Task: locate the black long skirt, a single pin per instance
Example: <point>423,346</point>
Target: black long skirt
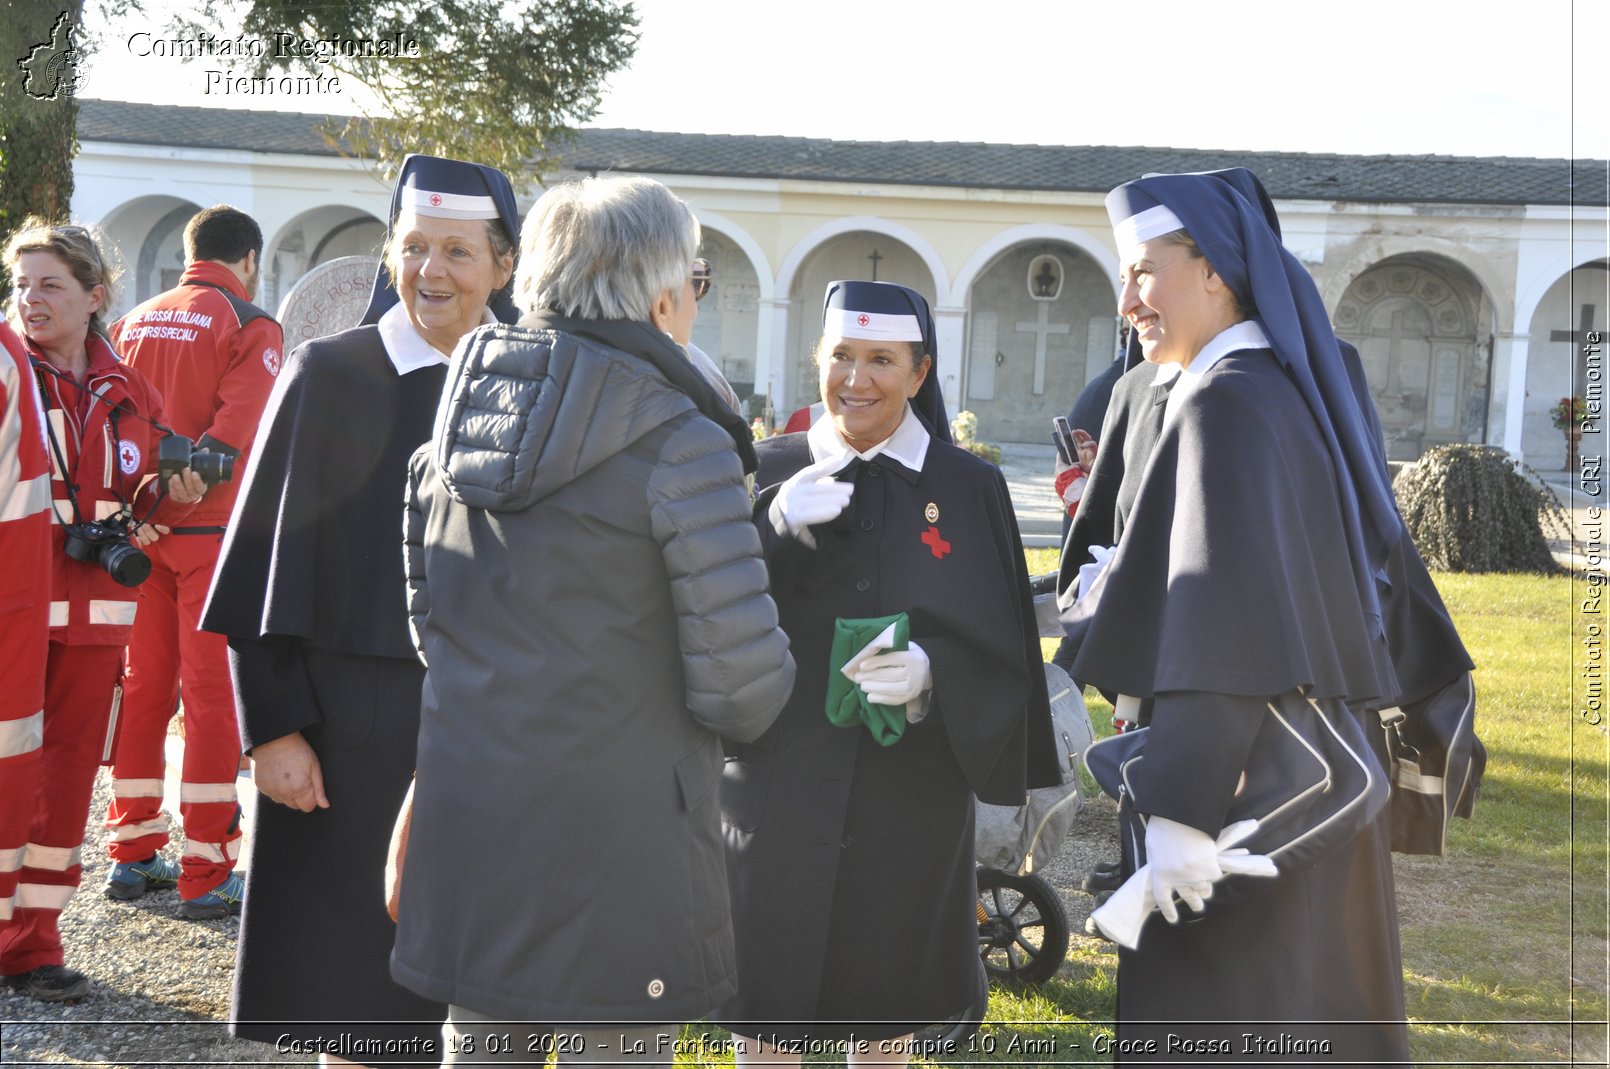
<point>1308,972</point>
<point>313,962</point>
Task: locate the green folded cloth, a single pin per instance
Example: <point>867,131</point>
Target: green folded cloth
<point>847,703</point>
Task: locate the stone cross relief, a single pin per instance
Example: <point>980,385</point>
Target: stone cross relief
<point>1042,328</point>
<point>1578,338</point>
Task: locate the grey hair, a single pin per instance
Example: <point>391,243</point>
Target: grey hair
<point>605,248</point>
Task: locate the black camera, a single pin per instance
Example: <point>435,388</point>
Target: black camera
<point>175,453</point>
<point>106,543</point>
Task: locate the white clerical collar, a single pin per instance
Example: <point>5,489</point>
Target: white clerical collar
<point>1243,335</point>
<point>406,346</point>
<point>908,444</point>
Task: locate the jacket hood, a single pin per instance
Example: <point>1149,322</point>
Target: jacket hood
<point>530,408</point>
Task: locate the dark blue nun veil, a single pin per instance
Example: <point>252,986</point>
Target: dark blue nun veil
<point>1235,236</point>
<point>458,190</point>
<point>1249,186</point>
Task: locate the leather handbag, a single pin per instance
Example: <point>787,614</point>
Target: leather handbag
<point>1312,782</point>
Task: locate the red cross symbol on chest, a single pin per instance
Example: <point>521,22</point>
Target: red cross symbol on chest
<point>934,542</point>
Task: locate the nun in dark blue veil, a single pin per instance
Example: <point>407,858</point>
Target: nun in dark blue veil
<point>1247,569</point>
<point>310,592</point>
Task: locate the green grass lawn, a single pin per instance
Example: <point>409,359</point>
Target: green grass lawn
<point>1504,938</point>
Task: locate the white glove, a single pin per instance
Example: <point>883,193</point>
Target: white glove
<point>1184,862</point>
<point>1123,915</point>
<point>811,495</point>
<point>894,677</point>
<point>1099,556</point>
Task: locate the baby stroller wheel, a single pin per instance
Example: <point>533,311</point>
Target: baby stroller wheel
<point>1022,928</point>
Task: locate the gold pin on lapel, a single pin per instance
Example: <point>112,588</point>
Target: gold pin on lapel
<point>931,513</point>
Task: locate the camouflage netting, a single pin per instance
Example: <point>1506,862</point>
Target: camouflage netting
<point>1469,510</point>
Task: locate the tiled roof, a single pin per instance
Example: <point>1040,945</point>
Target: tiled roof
<point>1287,175</point>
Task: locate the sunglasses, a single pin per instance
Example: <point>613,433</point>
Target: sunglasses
<point>701,278</point>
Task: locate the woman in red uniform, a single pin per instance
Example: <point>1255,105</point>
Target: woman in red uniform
<point>103,425</point>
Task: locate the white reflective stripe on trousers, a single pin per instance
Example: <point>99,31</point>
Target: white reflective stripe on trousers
<point>52,858</point>
<point>203,793</point>
<point>23,735</point>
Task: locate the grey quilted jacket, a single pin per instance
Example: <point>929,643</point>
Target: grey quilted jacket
<point>588,593</point>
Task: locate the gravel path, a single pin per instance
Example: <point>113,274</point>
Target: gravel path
<point>161,984</point>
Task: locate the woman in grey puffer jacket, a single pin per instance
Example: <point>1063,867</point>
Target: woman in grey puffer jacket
<point>588,593</point>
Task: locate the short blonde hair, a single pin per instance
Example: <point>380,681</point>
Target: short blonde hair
<point>605,248</point>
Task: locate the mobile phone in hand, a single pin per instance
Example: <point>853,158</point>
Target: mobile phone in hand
<point>1062,438</point>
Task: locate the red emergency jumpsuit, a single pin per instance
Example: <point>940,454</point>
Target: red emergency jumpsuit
<point>213,356</point>
<point>109,451</point>
<point>24,610</point>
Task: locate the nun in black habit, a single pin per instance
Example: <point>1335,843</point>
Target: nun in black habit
<point>851,856</point>
<point>1246,569</point>
<point>310,592</point>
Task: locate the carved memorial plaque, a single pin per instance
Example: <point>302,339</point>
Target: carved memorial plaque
<point>328,299</point>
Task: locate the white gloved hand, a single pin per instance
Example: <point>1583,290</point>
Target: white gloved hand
<point>811,495</point>
<point>894,677</point>
<point>1099,556</point>
<point>1124,914</point>
<point>1184,862</point>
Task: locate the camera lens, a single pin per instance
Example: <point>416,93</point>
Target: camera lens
<point>214,468</point>
<point>125,563</point>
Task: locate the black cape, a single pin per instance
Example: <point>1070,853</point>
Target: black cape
<point>851,864</point>
<point>320,510</point>
<point>309,589</point>
<point>1251,549</point>
<point>1422,642</point>
<point>1127,435</point>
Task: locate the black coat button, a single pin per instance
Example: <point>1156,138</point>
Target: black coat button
<point>867,525</point>
<point>863,585</point>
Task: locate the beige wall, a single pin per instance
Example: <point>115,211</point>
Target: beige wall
<point>778,242</point>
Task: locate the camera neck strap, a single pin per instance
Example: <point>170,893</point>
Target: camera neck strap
<point>65,473</point>
<point>62,469</point>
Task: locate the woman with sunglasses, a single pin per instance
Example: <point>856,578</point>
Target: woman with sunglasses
<point>702,278</point>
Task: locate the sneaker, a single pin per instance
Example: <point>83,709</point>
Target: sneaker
<point>221,901</point>
<point>129,880</point>
<point>51,983</point>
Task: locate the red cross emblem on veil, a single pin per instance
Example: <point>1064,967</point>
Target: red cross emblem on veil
<point>436,200</point>
<point>863,319</point>
<point>934,542</point>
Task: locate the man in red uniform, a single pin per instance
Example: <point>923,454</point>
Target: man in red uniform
<point>24,607</point>
<point>214,356</point>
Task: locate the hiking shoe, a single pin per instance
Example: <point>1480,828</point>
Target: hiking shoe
<point>1104,879</point>
<point>129,880</point>
<point>221,901</point>
<point>51,983</point>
